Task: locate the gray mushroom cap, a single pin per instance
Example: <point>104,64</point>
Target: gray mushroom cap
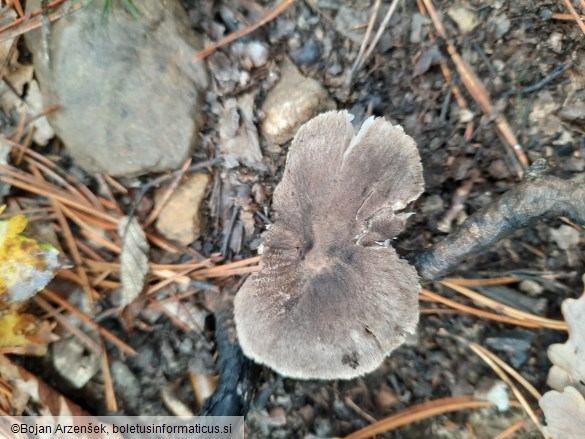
<point>329,301</point>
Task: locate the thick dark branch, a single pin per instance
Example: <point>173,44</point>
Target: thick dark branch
<point>537,197</point>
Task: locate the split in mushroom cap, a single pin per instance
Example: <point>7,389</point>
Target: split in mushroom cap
<point>328,301</point>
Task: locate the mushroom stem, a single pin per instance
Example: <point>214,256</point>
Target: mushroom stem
<point>537,197</point>
<point>235,385</point>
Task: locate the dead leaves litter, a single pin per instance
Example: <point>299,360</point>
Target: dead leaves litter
<point>26,267</point>
<point>133,259</point>
<point>564,407</point>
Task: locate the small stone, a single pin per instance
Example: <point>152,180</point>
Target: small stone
<point>531,288</point>
<point>307,412</point>
<point>348,22</point>
<point>252,55</point>
<point>499,25</point>
<point>323,427</point>
<point>307,54</point>
<point>555,42</point>
<point>573,109</point>
<point>386,398</point>
<point>341,410</point>
<point>276,417</point>
<point>186,346</point>
<point>126,383</point>
<point>416,27</point>
<point>238,134</point>
<point>545,14</point>
<point>465,18</point>
<point>180,218</point>
<point>495,391</point>
<point>566,237</point>
<point>498,169</point>
<point>292,102</point>
<point>73,362</point>
<point>576,164</point>
<point>433,204</point>
<point>515,346</point>
<point>128,90</point>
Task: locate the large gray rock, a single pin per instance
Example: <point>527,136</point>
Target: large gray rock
<point>128,89</point>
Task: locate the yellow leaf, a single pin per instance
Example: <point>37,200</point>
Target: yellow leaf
<point>23,333</point>
<point>26,266</point>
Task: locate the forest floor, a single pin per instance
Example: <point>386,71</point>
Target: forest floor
<point>530,57</point>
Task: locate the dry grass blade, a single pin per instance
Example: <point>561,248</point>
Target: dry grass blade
<point>455,90</point>
<point>90,233</point>
<point>426,295</point>
<point>226,273</point>
<point>26,26</point>
<point>47,293</point>
<point>33,14</point>
<point>279,9</point>
<point>109,394</point>
<point>380,31</point>
<point>80,191</point>
<point>65,199</point>
<point>358,60</point>
<point>419,412</point>
<point>71,243</point>
<point>175,277</point>
<point>167,195</point>
<point>172,317</point>
<point>115,266</point>
<point>565,17</point>
<point>115,184</point>
<point>513,373</point>
<point>82,336</point>
<point>230,266</point>
<point>483,282</point>
<point>74,251</point>
<point>575,15</point>
<point>558,325</point>
<point>479,92</point>
<point>510,430</point>
<point>480,351</point>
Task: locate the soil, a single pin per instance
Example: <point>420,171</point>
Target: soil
<point>515,45</point>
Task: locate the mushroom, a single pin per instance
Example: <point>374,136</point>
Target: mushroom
<point>332,299</point>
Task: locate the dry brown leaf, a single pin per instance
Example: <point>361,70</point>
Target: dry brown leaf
<point>565,414</point>
<point>24,333</point>
<point>20,83</point>
<point>26,266</point>
<point>133,259</point>
<point>238,133</point>
<point>570,356</point>
<point>27,388</point>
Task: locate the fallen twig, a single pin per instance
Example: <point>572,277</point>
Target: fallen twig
<point>419,412</point>
<point>279,9</point>
<point>576,17</point>
<point>27,26</point>
<point>537,197</point>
